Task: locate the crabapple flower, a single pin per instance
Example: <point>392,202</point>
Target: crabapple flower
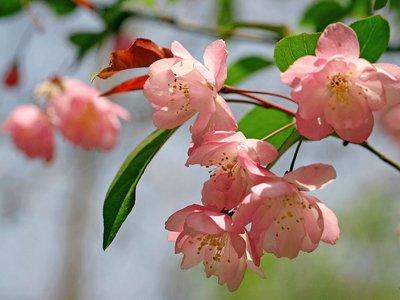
<point>336,90</point>
<point>239,164</point>
<point>31,132</point>
<point>206,235</point>
<point>82,116</point>
<point>285,220</point>
<point>180,87</point>
<point>390,114</point>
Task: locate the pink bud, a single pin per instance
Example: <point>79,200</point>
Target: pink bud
<point>11,76</point>
<point>31,132</point>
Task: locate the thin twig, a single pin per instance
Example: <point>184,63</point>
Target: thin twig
<point>230,89</point>
<point>245,102</point>
<point>279,130</point>
<point>295,155</point>
<point>380,155</point>
<point>279,30</point>
<point>268,103</point>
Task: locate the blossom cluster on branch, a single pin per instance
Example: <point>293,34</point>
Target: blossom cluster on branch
<point>73,108</point>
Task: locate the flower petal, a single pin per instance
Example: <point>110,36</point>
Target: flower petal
<point>215,57</point>
<point>338,39</point>
<point>331,231</point>
<point>314,128</point>
<point>311,177</point>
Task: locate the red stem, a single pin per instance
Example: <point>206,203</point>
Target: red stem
<point>230,89</point>
<point>267,103</point>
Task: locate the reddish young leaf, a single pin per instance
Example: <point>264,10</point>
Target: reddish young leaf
<point>123,41</point>
<point>133,84</point>
<point>142,53</point>
<point>85,3</point>
<point>11,76</point>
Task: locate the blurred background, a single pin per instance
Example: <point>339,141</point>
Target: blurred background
<point>51,216</point>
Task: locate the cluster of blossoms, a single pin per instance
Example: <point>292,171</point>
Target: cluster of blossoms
<point>77,110</point>
<point>246,209</point>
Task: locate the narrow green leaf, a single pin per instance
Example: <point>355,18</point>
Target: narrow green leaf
<point>121,194</point>
<point>378,4</point>
<point>246,67</point>
<point>260,122</point>
<point>85,41</point>
<point>320,14</point>
<point>289,49</point>
<point>373,34</point>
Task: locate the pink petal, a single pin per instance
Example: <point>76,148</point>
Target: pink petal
<point>264,152</point>
<point>314,128</point>
<point>201,222</point>
<point>331,231</point>
<point>215,57</point>
<point>299,70</point>
<point>338,39</point>
<point>311,177</point>
<point>352,120</point>
<point>311,95</point>
<point>179,51</point>
<point>175,221</point>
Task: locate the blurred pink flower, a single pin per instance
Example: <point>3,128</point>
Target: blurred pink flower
<point>284,219</point>
<point>83,117</point>
<point>204,234</point>
<point>181,86</point>
<point>239,165</point>
<point>390,114</point>
<point>31,131</point>
<point>336,90</point>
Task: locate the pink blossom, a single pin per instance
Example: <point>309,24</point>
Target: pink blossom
<point>239,164</point>
<point>285,220</point>
<point>390,114</point>
<point>180,87</point>
<point>31,132</point>
<point>336,90</point>
<point>204,234</point>
<point>83,117</point>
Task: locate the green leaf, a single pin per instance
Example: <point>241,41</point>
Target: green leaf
<point>85,41</point>
<point>260,122</point>
<point>320,14</point>
<point>378,4</point>
<point>373,34</point>
<point>61,7</point>
<point>290,48</point>
<point>114,16</point>
<point>245,67</point>
<point>121,194</point>
<point>9,7</point>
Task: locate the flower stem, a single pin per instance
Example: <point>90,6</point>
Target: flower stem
<point>230,89</point>
<point>295,155</point>
<point>279,130</point>
<point>268,103</point>
<point>380,155</point>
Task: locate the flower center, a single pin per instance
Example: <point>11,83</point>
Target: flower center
<point>291,212</point>
<point>339,85</point>
<point>215,243</point>
<point>179,89</point>
<point>225,163</point>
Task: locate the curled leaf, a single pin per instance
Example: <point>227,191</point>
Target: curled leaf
<point>142,53</point>
<point>127,86</point>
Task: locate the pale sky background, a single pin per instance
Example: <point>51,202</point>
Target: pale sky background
<point>36,201</point>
